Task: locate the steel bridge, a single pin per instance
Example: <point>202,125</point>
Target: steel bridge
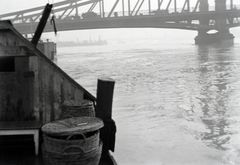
<point>196,15</point>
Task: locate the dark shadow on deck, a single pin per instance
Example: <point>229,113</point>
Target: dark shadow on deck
<point>19,150</point>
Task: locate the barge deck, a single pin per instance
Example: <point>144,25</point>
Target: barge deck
<point>18,154</point>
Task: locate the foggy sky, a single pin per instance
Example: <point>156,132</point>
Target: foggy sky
<point>17,5</point>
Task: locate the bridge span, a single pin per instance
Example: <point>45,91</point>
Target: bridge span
<point>91,14</point>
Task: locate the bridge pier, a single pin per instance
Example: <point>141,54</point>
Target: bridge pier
<point>223,36</point>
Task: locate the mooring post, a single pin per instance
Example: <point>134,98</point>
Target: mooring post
<point>105,90</point>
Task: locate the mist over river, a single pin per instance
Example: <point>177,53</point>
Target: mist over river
<point>175,103</point>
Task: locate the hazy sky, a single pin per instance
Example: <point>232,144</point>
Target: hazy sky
<point>16,5</point>
<point>8,6</point>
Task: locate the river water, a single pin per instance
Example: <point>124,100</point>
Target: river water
<point>175,103</point>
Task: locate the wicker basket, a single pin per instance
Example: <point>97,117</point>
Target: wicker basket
<point>72,125</point>
<point>87,142</point>
<point>72,158</point>
<point>76,108</point>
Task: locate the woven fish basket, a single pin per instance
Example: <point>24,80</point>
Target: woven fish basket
<point>69,157</point>
<point>72,125</point>
<point>87,141</point>
<point>76,108</point>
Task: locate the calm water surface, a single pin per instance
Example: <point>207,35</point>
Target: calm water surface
<point>174,103</point>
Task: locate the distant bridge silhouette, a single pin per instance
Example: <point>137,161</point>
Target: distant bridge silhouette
<point>91,14</point>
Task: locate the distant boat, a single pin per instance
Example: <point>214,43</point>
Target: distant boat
<point>82,43</point>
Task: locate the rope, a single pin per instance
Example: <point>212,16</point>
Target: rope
<point>52,21</point>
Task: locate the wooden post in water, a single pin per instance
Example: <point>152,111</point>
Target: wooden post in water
<point>105,90</point>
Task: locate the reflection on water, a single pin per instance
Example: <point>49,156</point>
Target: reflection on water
<point>214,95</point>
<point>173,103</point>
<point>214,72</point>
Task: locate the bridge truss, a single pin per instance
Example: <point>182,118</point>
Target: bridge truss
<point>93,14</point>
